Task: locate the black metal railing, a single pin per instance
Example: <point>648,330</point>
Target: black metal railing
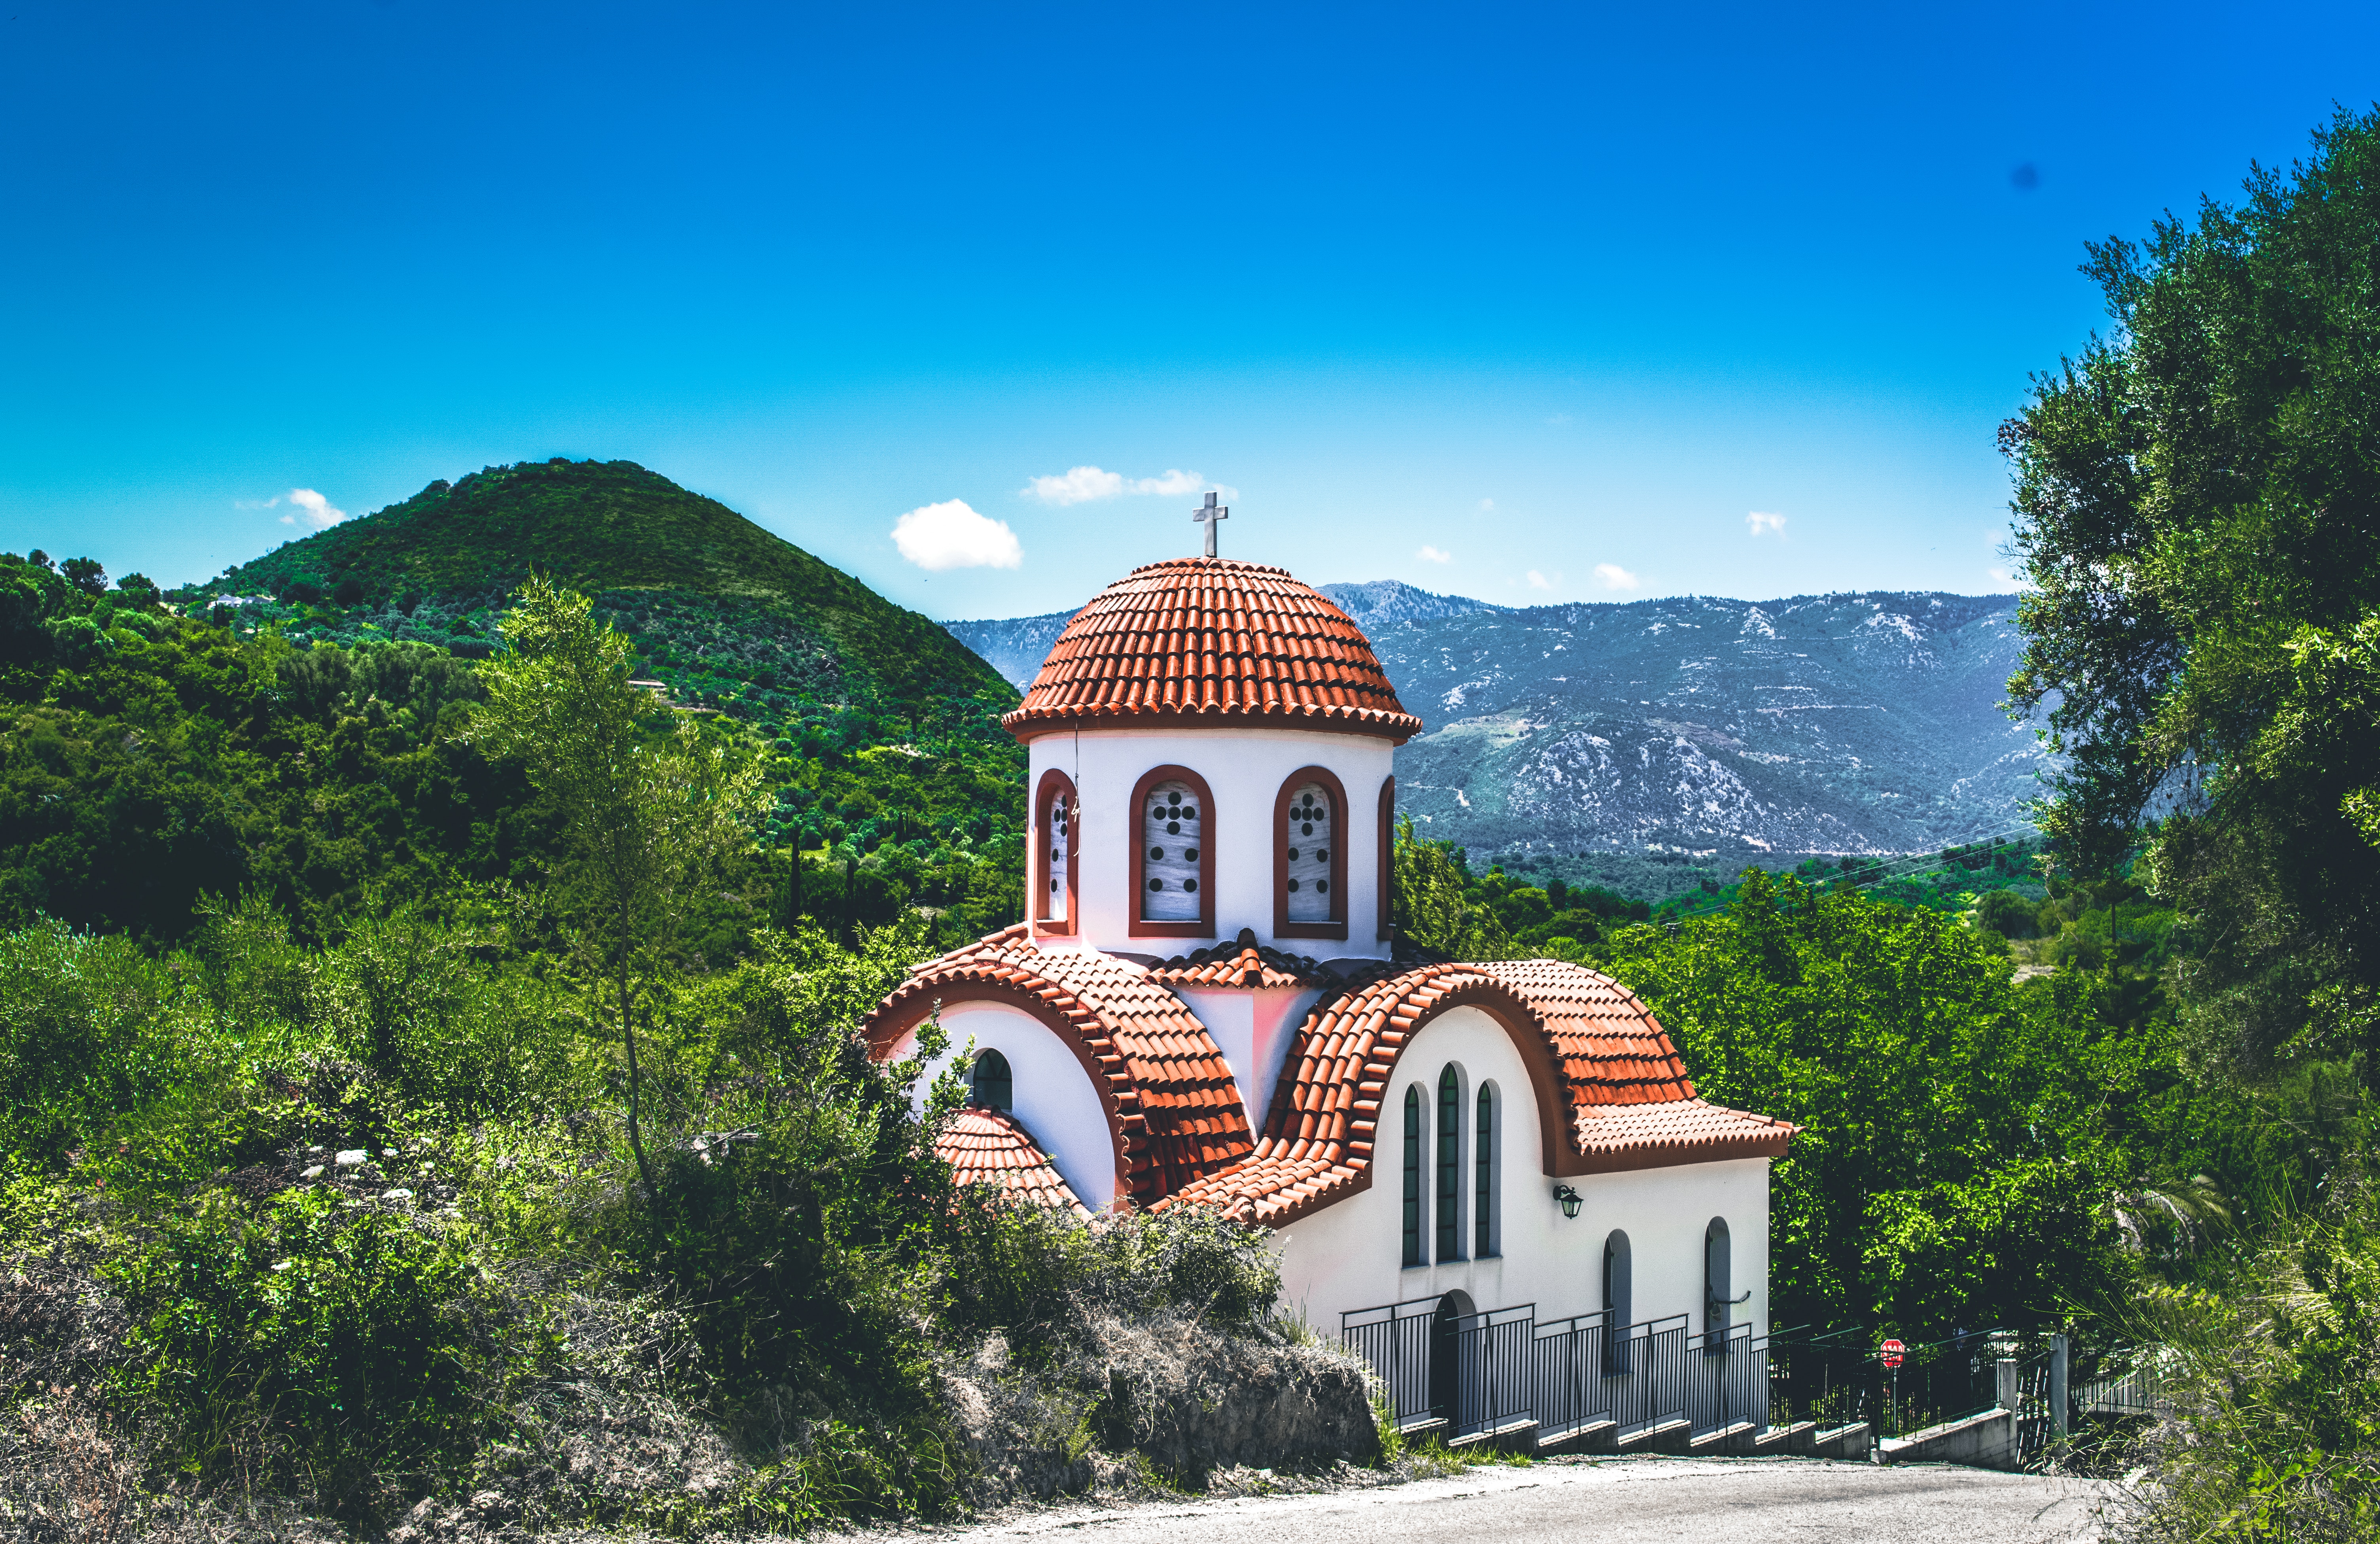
<point>1571,1389</point>
<point>1652,1391</point>
<point>1840,1377</point>
<point>1728,1383</point>
<point>1395,1338</point>
<point>1493,1386</point>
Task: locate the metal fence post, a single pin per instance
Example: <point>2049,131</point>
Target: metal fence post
<point>2004,1373</point>
<point>2057,1388</point>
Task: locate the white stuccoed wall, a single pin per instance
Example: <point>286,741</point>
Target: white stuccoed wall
<point>1253,1029</point>
<point>1244,770</point>
<point>1054,1098</point>
<point>1348,1256</point>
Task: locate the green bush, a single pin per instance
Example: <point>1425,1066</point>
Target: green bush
<point>303,1347</point>
<point>87,1030</point>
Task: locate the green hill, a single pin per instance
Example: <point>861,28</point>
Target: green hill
<point>612,526</point>
<point>293,726</point>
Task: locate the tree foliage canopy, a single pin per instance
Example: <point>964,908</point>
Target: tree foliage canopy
<point>2198,515</point>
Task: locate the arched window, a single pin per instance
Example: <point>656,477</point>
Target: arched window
<point>1718,1281</point>
<point>1449,1154</point>
<point>1483,1165</point>
<point>1387,871</point>
<point>1173,866</point>
<point>1310,860</point>
<point>1619,1301</point>
<point>1055,868</point>
<point>990,1086</point>
<point>1413,1178</point>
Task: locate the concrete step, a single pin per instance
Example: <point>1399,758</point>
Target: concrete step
<point>1987,1441</point>
<point>1735,1437</point>
<point>1497,1435</point>
<point>1594,1436</point>
<point>1796,1438</point>
<point>1853,1442</point>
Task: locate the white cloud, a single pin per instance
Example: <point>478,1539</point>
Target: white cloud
<point>1432,555</point>
<point>1761,520</point>
<point>950,534</point>
<point>1084,485</point>
<point>1613,577</point>
<point>312,509</point>
<point>1172,483</point>
<point>1558,419</point>
<point>1078,487</point>
<point>1539,582</point>
<point>1487,506</point>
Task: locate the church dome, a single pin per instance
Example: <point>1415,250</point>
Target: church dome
<point>1208,641</point>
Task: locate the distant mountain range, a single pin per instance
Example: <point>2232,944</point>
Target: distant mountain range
<point>1860,723</point>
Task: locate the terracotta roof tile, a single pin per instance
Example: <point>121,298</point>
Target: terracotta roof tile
<point>1209,640</point>
<point>990,1146</point>
<point>1242,962</point>
<point>1631,1102</point>
<point>1170,1095</point>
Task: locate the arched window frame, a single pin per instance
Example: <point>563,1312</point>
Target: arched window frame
<point>1447,1173</point>
<point>1416,1154</point>
<point>1281,927</point>
<point>1387,869</point>
<point>1053,783</point>
<point>985,1060</point>
<point>1204,927</point>
<point>1487,1172</point>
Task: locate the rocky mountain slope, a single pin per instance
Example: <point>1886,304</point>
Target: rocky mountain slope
<point>1842,723</point>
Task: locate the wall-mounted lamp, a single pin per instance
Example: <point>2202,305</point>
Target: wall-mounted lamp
<point>1569,1199</point>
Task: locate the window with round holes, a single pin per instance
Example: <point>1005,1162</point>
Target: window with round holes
<point>1055,909</point>
<point>1307,842</point>
<point>1171,828</point>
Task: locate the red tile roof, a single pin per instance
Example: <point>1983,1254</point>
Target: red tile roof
<point>1173,1109</point>
<point>988,1147</point>
<point>1242,962</point>
<point>1206,640</point>
<point>1596,1056</point>
<point>1596,1052</point>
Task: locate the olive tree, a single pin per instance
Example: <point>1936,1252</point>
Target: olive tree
<point>648,807</point>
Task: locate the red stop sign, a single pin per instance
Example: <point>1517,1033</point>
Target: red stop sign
<point>1893,1351</point>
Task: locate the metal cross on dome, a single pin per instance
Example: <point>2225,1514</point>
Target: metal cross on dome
<point>1211,514</point>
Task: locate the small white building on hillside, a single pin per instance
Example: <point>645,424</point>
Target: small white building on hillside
<point>1461,1160</point>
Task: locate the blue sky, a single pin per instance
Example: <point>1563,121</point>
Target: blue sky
<point>1531,303</point>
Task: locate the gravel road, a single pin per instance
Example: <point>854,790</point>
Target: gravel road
<point>1634,1501</point>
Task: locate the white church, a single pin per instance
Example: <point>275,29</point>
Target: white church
<point>1495,1178</point>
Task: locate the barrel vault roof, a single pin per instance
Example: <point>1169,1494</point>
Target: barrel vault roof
<point>1173,1107</point>
<point>1603,1061</point>
<point>1600,1061</point>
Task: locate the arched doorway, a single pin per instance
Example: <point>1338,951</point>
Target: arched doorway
<point>1446,1355</point>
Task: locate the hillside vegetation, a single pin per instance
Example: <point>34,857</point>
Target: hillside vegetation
<point>432,1133</point>
<point>612,526</point>
<point>891,766</point>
